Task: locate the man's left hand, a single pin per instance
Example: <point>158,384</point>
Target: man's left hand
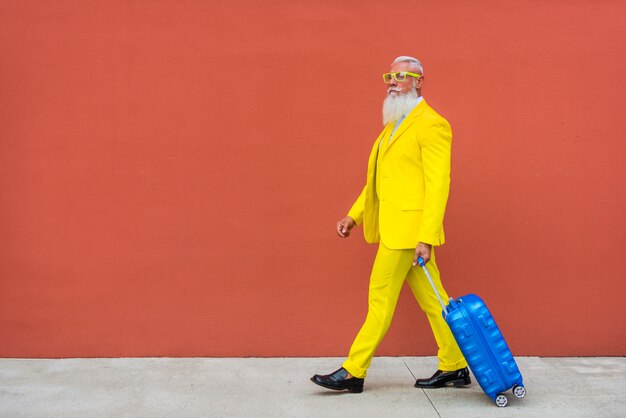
<point>422,250</point>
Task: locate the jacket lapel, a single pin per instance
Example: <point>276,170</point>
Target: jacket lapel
<point>406,123</point>
<point>377,146</point>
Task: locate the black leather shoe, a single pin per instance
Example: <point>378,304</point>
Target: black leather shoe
<point>440,379</point>
<point>337,381</point>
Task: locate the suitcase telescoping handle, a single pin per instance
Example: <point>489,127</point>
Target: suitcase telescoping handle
<point>422,264</point>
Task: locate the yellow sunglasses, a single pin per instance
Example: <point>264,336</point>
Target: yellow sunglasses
<point>399,76</point>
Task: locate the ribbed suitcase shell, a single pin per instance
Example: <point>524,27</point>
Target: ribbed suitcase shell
<point>483,345</point>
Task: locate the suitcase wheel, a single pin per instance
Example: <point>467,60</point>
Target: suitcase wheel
<point>501,400</point>
<point>519,391</point>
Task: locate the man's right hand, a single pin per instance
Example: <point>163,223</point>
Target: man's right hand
<point>344,226</point>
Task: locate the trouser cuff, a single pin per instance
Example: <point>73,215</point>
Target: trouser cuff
<point>354,370</point>
<point>450,367</point>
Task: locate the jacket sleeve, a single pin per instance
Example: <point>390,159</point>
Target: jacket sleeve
<point>435,144</point>
<point>356,212</point>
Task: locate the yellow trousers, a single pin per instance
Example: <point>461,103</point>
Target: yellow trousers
<point>390,269</point>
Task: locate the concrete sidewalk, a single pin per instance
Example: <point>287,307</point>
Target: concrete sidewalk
<point>280,387</point>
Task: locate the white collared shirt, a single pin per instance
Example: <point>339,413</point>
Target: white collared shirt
<point>399,121</point>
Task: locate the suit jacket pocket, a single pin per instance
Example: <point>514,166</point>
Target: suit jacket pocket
<point>412,205</point>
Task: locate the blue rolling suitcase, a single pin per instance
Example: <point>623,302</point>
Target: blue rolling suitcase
<point>482,344</point>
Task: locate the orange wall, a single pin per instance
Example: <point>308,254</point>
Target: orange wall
<point>172,171</point>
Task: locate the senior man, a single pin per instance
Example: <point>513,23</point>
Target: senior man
<point>401,208</point>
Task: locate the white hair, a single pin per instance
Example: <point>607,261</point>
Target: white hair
<point>397,106</point>
<point>415,64</point>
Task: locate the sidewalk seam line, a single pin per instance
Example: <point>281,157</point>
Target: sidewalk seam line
<point>427,397</point>
<point>408,368</point>
<point>431,402</point>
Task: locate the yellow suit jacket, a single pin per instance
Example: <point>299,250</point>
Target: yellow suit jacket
<point>413,175</point>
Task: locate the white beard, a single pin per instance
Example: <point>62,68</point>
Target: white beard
<point>395,106</point>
